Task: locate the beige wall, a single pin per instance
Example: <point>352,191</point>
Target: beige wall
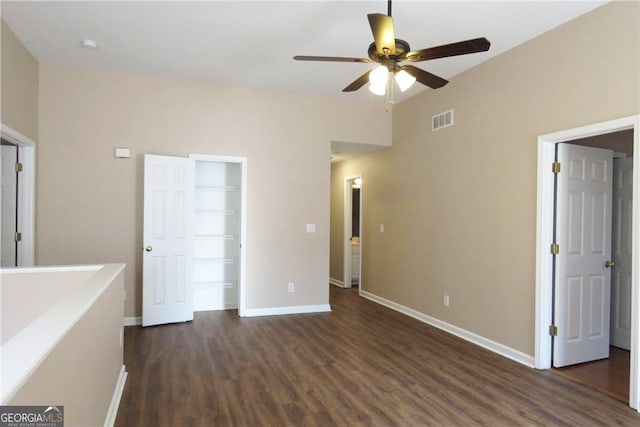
<point>339,171</point>
<point>42,291</point>
<point>89,207</point>
<point>18,85</point>
<point>459,205</point>
<point>82,380</point>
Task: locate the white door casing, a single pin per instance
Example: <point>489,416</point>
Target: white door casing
<point>167,240</point>
<point>621,253</point>
<point>544,236</point>
<point>583,233</point>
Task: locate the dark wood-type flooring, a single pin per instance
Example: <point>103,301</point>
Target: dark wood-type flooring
<point>610,376</point>
<point>360,365</point>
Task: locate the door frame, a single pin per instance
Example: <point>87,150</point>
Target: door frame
<point>242,161</point>
<point>348,208</point>
<point>544,238</point>
<point>26,193</point>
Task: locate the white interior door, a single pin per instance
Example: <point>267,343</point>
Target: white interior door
<point>167,289</point>
<point>216,231</point>
<point>621,253</point>
<point>8,217</point>
<point>583,233</point>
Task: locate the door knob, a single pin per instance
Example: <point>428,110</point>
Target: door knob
<point>609,264</point>
<point>148,248</point>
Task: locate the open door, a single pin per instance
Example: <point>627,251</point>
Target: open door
<point>622,250</point>
<point>583,233</point>
<point>9,197</point>
<point>167,289</point>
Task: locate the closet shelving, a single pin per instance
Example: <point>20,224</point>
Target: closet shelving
<point>216,231</point>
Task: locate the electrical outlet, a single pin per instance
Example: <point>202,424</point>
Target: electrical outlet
<point>291,287</point>
<point>445,301</point>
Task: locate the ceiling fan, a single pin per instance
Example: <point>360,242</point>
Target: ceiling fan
<point>389,52</point>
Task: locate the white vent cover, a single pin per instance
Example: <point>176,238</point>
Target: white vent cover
<point>442,120</point>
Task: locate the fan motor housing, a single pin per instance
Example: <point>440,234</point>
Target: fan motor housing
<point>402,48</point>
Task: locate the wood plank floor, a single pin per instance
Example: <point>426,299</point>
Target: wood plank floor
<point>610,376</point>
<point>360,365</point>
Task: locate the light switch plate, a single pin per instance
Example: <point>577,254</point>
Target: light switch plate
<point>311,228</point>
<point>122,153</point>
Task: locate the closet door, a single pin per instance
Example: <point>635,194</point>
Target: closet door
<point>216,235</point>
<point>167,294</point>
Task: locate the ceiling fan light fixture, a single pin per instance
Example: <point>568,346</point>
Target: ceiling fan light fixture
<point>404,80</point>
<point>378,90</point>
<point>378,79</point>
<point>390,52</point>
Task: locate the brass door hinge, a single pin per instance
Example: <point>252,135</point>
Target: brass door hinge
<point>18,167</point>
<point>17,237</point>
<point>555,167</point>
<point>555,248</point>
<point>553,330</point>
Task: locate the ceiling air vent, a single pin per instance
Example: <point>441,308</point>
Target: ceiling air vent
<point>442,120</point>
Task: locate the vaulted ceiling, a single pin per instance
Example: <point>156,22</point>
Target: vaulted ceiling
<point>251,43</point>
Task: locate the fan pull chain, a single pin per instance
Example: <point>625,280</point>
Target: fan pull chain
<point>389,93</point>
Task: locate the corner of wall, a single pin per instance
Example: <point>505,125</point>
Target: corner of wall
<point>19,84</point>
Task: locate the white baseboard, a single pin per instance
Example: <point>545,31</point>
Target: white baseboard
<point>476,339</point>
<point>296,309</point>
<point>115,400</point>
<point>226,307</point>
<point>336,282</point>
<point>255,312</point>
<point>132,321</point>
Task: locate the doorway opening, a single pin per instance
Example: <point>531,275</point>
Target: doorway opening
<point>194,221</point>
<point>216,235</point>
<point>17,193</point>
<point>9,185</point>
<point>352,271</point>
<point>602,361</point>
<point>545,260</point>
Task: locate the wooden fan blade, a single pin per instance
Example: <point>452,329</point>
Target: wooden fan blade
<point>330,58</point>
<point>425,77</point>
<point>358,83</point>
<point>383,34</point>
<point>453,49</point>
